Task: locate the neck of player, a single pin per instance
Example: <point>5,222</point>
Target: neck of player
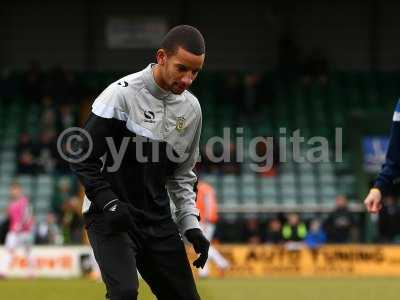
<point>158,78</point>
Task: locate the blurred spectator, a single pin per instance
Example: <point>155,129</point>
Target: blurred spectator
<point>389,220</point>
<point>294,230</point>
<point>65,117</point>
<point>48,119</point>
<point>48,232</point>
<point>61,196</point>
<point>61,86</point>
<point>32,85</point>
<point>252,234</point>
<point>316,236</point>
<point>61,165</point>
<point>289,54</point>
<point>340,223</point>
<point>206,202</point>
<point>25,153</point>
<point>47,104</point>
<point>273,233</point>
<point>72,221</point>
<point>8,86</point>
<point>231,93</point>
<point>251,97</point>
<point>315,68</point>
<point>4,225</point>
<point>20,229</point>
<point>46,151</point>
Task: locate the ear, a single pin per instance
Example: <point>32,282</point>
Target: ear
<point>161,57</point>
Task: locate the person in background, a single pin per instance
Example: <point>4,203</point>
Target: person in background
<point>315,68</point>
<point>32,83</point>
<point>61,196</point>
<point>316,236</point>
<point>294,232</point>
<point>389,220</point>
<point>340,222</point>
<point>252,234</point>
<point>46,151</point>
<point>48,232</point>
<point>25,154</point>
<point>65,117</point>
<point>72,221</point>
<point>20,230</point>
<point>206,202</point>
<point>8,86</point>
<point>389,174</point>
<point>273,234</point>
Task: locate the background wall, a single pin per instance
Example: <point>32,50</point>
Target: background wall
<point>353,34</point>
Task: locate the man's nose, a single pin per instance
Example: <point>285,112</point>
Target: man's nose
<point>187,79</point>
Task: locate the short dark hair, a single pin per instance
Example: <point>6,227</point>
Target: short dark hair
<point>185,36</point>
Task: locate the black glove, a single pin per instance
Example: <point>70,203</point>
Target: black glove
<point>118,217</point>
<point>200,245</point>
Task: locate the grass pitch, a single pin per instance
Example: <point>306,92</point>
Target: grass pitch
<point>230,289</point>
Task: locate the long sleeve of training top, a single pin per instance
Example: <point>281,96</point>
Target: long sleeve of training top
<point>180,187</point>
<point>89,172</point>
<point>140,130</point>
<point>390,172</point>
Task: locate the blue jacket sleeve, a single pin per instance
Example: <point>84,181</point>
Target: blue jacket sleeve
<point>390,172</point>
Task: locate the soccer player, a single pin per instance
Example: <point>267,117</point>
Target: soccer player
<point>19,234</point>
<point>390,173</point>
<point>208,207</point>
<point>153,123</point>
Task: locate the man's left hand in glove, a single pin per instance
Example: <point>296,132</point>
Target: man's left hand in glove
<point>200,245</point>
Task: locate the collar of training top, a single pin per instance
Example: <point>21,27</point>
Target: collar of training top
<point>153,87</point>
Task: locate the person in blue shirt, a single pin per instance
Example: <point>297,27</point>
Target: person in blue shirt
<point>316,236</point>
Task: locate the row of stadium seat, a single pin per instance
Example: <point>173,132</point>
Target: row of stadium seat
<point>315,110</point>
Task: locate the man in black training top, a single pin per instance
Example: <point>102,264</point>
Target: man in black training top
<point>145,130</point>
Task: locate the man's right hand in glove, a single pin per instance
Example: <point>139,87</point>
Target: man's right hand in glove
<point>200,245</point>
<point>118,216</point>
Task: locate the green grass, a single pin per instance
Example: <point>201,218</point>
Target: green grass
<point>230,289</point>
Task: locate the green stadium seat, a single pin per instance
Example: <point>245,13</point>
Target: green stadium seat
<point>230,195</point>
<point>248,179</point>
<point>307,179</point>
<point>287,179</point>
<point>327,179</point>
<point>326,168</point>
<point>289,194</point>
<point>287,167</point>
<point>42,205</point>
<point>43,180</point>
<point>309,192</point>
<point>249,193</point>
<point>268,190</point>
<point>7,167</point>
<point>305,167</point>
<point>328,191</point>
<point>4,193</point>
<point>26,182</point>
<point>7,156</point>
<point>210,179</point>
